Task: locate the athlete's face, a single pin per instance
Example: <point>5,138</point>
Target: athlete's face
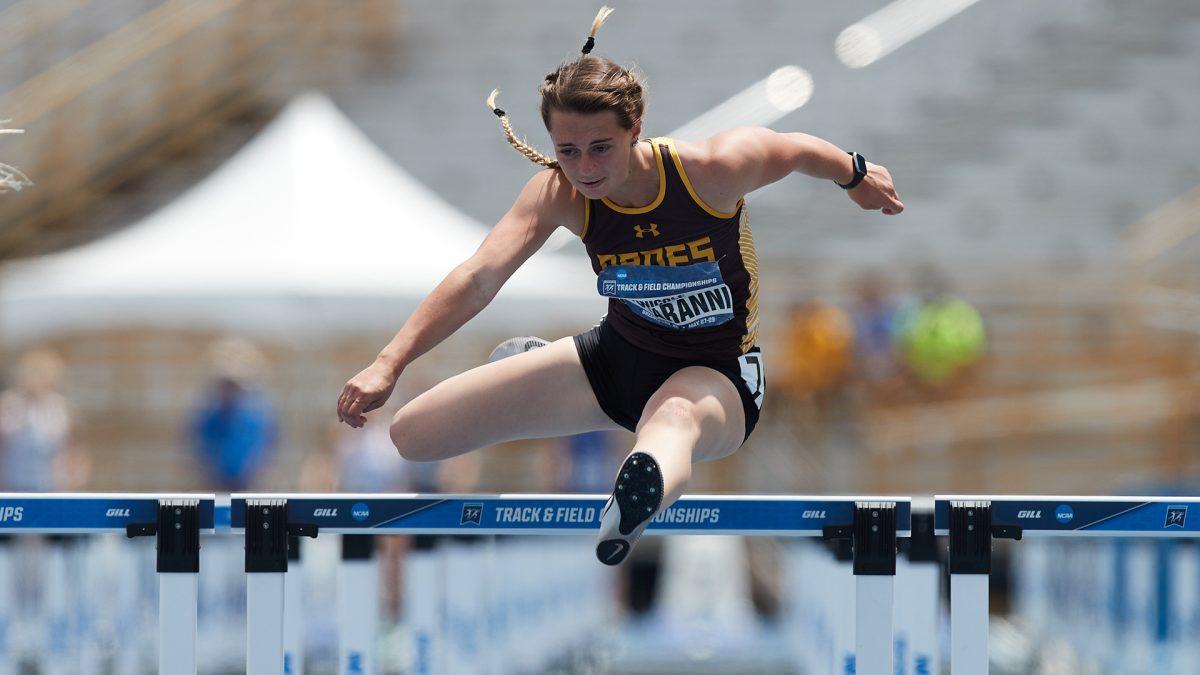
<point>592,150</point>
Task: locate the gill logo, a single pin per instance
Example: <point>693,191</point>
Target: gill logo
<point>641,231</point>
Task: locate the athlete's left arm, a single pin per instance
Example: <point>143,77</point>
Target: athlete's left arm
<point>747,158</point>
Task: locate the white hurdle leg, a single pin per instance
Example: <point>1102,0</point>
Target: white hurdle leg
<point>970,567</point>
<point>177,596</point>
<point>264,624</point>
<point>7,602</point>
<point>266,564</point>
<point>917,600</point>
<point>875,580</point>
<point>293,617</point>
<point>837,607</point>
<point>423,607</point>
<point>357,605</point>
<point>178,564</point>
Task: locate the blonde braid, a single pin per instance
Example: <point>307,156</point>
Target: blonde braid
<point>522,147</point>
<point>596,23</point>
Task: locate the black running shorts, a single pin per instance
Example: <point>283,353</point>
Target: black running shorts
<point>624,377</point>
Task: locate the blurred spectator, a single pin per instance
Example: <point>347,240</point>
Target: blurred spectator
<point>876,316</point>
<point>593,464</point>
<point>817,349</point>
<point>578,464</point>
<point>368,461</point>
<point>35,430</point>
<point>943,337</point>
<point>235,428</point>
<point>365,461</point>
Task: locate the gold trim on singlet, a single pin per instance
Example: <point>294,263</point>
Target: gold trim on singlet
<point>670,143</point>
<point>662,188</point>
<point>587,218</point>
<point>750,261</point>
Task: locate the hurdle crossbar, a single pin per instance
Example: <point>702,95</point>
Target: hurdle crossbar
<point>90,513</point>
<point>770,516</point>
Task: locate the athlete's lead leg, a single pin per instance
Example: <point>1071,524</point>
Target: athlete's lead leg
<point>537,394</point>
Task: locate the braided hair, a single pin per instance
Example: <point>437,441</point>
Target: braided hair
<point>588,84</point>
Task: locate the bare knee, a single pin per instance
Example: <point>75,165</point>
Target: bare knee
<point>676,413</point>
<point>410,441</point>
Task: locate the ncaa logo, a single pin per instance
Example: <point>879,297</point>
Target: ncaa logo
<point>360,512</point>
<point>1064,514</point>
<point>472,514</point>
<point>622,274</point>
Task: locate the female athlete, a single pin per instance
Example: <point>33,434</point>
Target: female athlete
<point>665,227</point>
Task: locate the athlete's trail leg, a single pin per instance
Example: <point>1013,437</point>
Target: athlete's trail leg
<point>695,415</point>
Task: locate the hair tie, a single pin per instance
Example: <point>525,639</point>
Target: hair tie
<point>596,23</point>
<point>491,104</point>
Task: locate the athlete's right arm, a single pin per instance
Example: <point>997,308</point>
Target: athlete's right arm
<point>543,205</point>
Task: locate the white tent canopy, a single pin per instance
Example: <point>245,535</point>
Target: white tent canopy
<point>308,231</point>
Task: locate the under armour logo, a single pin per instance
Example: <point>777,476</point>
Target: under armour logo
<point>641,231</point>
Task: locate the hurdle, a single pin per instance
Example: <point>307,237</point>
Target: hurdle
<point>973,522</point>
<point>871,523</point>
<point>175,520</point>
<point>267,521</point>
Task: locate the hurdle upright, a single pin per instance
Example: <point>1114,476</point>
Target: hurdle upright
<point>871,523</point>
<point>973,522</point>
<point>175,520</point>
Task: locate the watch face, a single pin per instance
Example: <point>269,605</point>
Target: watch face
<point>860,164</point>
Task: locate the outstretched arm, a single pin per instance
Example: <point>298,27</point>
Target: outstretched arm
<point>464,292</point>
<point>748,158</point>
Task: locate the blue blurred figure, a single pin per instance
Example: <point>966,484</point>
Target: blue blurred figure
<point>592,462</point>
<point>235,428</point>
<point>876,315</point>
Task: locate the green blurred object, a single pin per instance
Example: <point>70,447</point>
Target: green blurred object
<point>941,338</point>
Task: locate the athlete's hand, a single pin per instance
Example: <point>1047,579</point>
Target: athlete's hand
<point>876,192</point>
<point>365,392</point>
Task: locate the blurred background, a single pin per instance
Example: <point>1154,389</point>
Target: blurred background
<point>220,211</point>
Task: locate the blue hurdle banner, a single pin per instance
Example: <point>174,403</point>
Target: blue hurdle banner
<point>39,513</point>
<point>1085,516</point>
<point>784,516</point>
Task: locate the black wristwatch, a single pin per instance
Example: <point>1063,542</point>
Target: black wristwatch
<point>860,171</point>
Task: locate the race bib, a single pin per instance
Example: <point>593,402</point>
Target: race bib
<point>692,296</point>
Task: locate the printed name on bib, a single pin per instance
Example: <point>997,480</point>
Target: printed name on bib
<point>683,298</point>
